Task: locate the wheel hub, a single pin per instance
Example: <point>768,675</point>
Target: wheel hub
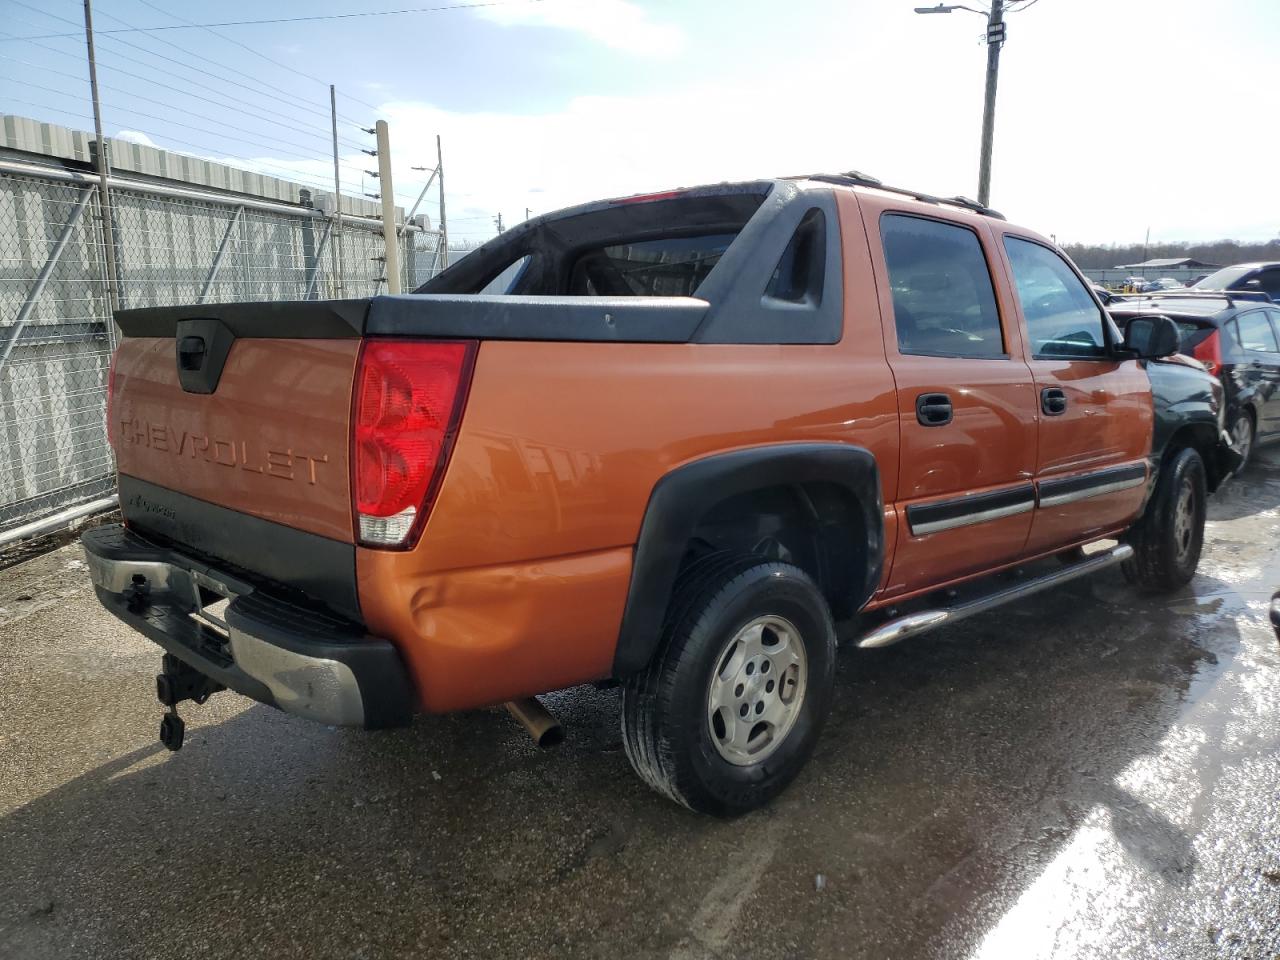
<point>1184,519</point>
<point>756,690</point>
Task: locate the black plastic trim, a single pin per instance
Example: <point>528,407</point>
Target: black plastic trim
<point>260,550</point>
<point>687,493</point>
<point>285,319</point>
<point>608,319</point>
<point>942,511</point>
<point>1099,478</point>
<point>199,372</point>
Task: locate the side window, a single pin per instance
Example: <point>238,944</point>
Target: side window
<point>1062,318</point>
<point>1274,314</point>
<point>1256,332</point>
<point>943,300</point>
<point>1271,283</point>
<point>1231,337</point>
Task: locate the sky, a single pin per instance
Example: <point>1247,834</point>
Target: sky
<point>1113,116</point>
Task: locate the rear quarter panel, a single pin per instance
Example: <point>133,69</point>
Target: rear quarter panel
<point>519,581</point>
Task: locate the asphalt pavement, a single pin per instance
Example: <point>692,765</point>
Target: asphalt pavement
<point>1087,773</point>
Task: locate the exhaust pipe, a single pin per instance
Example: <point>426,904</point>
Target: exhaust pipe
<point>537,720</point>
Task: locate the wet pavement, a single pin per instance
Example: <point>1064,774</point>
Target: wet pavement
<point>1087,773</point>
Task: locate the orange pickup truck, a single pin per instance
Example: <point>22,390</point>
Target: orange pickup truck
<point>668,440</point>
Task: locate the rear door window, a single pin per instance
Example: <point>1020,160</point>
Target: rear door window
<point>944,303</point>
<point>1256,332</point>
<point>1063,320</point>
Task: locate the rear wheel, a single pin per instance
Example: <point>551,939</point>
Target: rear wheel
<point>1167,541</point>
<point>1242,435</point>
<point>730,707</point>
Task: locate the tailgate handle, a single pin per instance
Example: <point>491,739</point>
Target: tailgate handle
<point>191,353</point>
<point>203,344</point>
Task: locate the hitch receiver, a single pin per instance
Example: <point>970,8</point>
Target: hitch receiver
<point>176,683</point>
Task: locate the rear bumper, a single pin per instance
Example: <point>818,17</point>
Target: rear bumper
<point>305,661</point>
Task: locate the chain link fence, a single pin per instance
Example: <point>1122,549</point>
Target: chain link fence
<point>173,246</point>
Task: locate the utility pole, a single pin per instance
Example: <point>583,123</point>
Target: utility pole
<point>497,221</point>
<point>444,221</point>
<point>390,238</point>
<point>104,168</point>
<point>995,40</point>
<point>337,197</point>
<point>526,213</point>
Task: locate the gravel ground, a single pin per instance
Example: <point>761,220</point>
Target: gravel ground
<point>1088,773</point>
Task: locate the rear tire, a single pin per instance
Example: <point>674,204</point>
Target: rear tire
<point>731,705</point>
<point>1169,537</point>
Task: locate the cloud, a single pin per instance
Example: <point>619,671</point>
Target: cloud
<point>135,136</point>
<point>619,24</point>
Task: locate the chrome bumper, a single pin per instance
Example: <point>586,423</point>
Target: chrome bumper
<point>305,661</point>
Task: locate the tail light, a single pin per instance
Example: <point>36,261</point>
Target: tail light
<point>408,400</point>
<point>1209,352</point>
<point>112,426</point>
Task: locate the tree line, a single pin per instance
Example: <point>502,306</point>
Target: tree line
<point>1098,256</point>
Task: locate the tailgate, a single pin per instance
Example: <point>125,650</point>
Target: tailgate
<point>237,446</point>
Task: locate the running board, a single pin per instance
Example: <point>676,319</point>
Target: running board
<point>900,628</point>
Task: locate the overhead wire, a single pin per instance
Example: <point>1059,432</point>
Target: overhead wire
<point>406,196</point>
<point>208,96</point>
<point>330,16</point>
<point>267,88</point>
<point>257,53</point>
<point>291,144</point>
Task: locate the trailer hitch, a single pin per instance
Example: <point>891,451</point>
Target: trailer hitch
<point>176,683</point>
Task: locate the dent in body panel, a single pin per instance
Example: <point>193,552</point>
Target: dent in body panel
<point>488,634</point>
<point>559,450</point>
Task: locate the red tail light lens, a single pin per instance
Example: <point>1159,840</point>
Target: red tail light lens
<point>408,401</point>
<point>1209,352</point>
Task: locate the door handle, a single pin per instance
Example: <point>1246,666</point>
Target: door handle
<point>1053,401</point>
<point>933,409</point>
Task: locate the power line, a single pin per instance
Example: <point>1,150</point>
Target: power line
<point>118,108</point>
<point>244,46</point>
<point>269,90</point>
<point>187,25</point>
<point>275,117</point>
<point>291,144</point>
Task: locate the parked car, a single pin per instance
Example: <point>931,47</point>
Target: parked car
<point>1164,283</point>
<point>697,429</point>
<point>1235,336</point>
<point>1250,277</point>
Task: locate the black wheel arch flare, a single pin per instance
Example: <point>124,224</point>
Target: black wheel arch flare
<point>689,492</point>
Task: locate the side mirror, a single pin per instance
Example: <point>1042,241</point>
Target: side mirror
<point>1150,338</point>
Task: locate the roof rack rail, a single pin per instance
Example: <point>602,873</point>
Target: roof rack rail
<point>854,178</point>
<point>1231,296</point>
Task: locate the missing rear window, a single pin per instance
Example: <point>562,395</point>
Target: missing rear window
<point>666,267</point>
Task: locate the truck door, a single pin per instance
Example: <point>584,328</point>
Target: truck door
<point>1094,408</point>
<point>966,402</point>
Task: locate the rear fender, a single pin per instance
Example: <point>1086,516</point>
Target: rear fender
<point>690,492</point>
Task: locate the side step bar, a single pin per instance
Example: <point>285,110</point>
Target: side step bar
<point>900,628</point>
